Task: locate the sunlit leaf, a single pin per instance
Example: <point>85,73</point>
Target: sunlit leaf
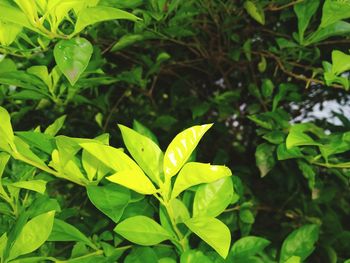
<point>34,233</point>
<point>93,15</point>
<point>198,173</point>
<point>181,147</point>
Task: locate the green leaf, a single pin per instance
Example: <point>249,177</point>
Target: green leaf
<point>25,153</point>
<point>135,180</point>
<point>39,140</point>
<point>248,246</point>
<point>72,57</point>
<point>293,259</point>
<point>34,233</point>
<point>63,231</point>
<point>198,173</point>
<point>41,72</point>
<point>194,256</point>
<point>129,39</point>
<point>301,243</point>
<point>180,211</point>
<point>340,62</point>
<point>212,231</point>
<point>33,185</point>
<point>110,199</point>
<point>308,172</point>
<point>8,32</point>
<point>12,14</point>
<point>93,15</point>
<point>275,137</point>
<point>142,230</point>
<point>94,168</point>
<point>262,65</point>
<point>56,126</point>
<point>283,153</point>
<point>339,28</point>
<point>142,129</point>
<point>4,158</point>
<point>129,173</point>
<point>304,11</point>
<point>297,137</point>
<point>110,156</point>
<point>255,11</point>
<point>334,11</point>
<point>246,216</point>
<point>213,198</point>
<point>141,255</point>
<point>181,147</point>
<point>265,158</point>
<point>267,88</point>
<point>3,243</point>
<point>6,132</point>
<point>146,152</point>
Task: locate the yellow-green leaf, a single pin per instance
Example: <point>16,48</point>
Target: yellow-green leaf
<point>142,231</point>
<point>8,32</point>
<point>33,185</point>
<point>72,57</point>
<point>181,147</point>
<point>93,15</point>
<point>33,235</point>
<point>255,11</point>
<point>212,231</point>
<point>110,156</point>
<point>135,180</point>
<point>29,9</point>
<point>6,132</point>
<point>198,173</point>
<point>144,151</point>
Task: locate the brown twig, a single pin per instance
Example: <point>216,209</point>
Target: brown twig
<point>292,74</point>
<point>115,106</point>
<point>272,7</point>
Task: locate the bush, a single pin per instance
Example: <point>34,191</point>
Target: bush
<point>265,81</point>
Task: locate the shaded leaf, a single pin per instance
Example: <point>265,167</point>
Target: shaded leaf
<point>142,230</point>
<point>72,57</point>
<point>212,231</point>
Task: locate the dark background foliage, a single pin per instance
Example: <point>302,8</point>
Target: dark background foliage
<point>209,61</point>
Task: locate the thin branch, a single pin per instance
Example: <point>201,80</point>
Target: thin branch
<point>272,7</point>
<point>292,74</point>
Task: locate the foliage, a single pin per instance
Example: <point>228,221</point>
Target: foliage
<point>260,71</point>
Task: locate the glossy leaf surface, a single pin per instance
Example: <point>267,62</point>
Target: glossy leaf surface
<point>248,246</point>
<point>198,173</point>
<point>142,230</point>
<point>6,132</point>
<point>34,233</point>
<point>63,231</point>
<point>301,243</point>
<point>135,180</point>
<point>110,199</point>
<point>33,185</point>
<point>181,147</point>
<point>72,57</point>
<point>304,11</point>
<point>93,15</point>
<point>212,231</point>
<point>212,199</point>
<point>144,151</point>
